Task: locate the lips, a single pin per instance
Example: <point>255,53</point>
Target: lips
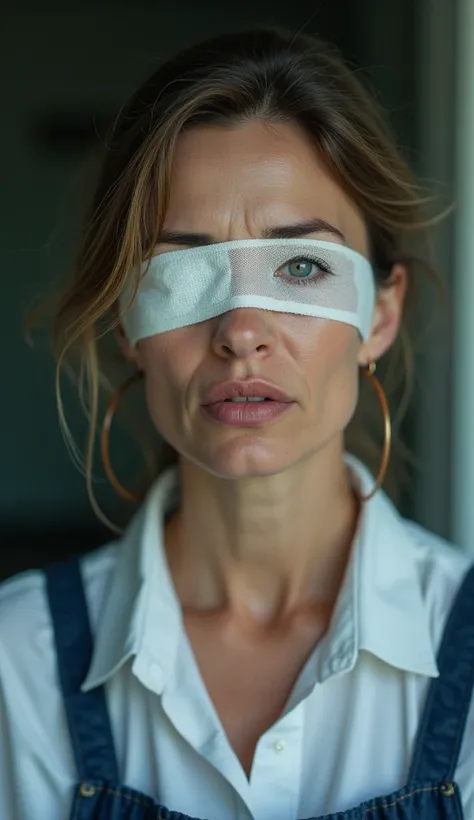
<point>234,390</point>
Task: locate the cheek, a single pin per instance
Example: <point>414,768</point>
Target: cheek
<point>328,353</point>
<point>322,345</point>
<point>167,358</point>
<point>169,361</point>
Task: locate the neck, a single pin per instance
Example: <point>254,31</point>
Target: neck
<point>263,547</point>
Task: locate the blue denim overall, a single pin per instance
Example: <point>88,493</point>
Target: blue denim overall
<point>430,791</point>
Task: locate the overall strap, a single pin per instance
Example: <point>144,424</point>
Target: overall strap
<point>86,712</point>
<point>443,722</point>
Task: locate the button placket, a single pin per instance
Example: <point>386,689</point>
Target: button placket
<point>274,784</point>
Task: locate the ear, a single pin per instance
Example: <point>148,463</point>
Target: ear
<point>387,316</point>
<point>131,354</point>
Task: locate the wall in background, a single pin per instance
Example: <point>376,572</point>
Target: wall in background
<point>462,386</point>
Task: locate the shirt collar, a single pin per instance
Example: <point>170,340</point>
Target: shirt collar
<point>141,595</point>
<point>379,609</point>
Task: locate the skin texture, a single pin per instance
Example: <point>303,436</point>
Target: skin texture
<point>259,546</point>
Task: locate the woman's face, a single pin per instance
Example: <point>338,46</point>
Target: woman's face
<point>233,184</point>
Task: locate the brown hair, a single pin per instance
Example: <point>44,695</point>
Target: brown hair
<point>266,73</point>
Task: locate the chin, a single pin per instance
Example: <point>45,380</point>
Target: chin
<point>248,460</point>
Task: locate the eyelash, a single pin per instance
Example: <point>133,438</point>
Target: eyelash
<point>324,271</point>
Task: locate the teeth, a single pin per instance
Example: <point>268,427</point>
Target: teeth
<point>248,398</point>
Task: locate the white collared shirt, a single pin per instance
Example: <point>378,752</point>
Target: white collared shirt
<point>346,734</point>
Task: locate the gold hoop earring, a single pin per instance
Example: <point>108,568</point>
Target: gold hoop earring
<point>369,373</point>
<point>129,495</point>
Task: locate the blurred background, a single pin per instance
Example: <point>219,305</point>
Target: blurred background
<point>65,73</point>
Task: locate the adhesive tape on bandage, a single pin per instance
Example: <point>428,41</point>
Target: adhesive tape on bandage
<point>183,287</point>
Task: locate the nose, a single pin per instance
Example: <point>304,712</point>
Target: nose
<point>244,332</point>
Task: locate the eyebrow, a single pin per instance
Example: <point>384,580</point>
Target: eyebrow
<point>280,232</point>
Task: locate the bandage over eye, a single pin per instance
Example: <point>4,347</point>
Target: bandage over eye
<point>307,277</point>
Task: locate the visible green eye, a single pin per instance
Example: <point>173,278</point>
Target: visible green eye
<point>304,270</point>
<point>301,268</point>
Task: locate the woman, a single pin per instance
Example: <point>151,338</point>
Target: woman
<point>267,631</point>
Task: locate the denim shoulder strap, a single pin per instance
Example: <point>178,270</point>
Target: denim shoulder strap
<point>86,712</point>
<point>449,696</point>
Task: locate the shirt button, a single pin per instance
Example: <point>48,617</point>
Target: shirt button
<point>86,790</point>
<point>279,746</point>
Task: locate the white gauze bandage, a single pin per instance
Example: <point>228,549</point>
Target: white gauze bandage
<point>180,288</point>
